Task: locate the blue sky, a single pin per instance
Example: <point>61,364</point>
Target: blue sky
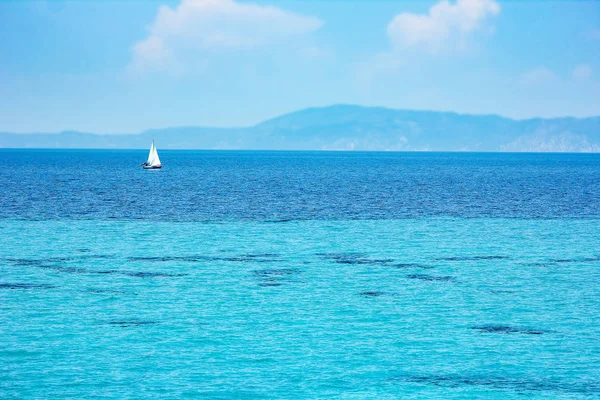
<point>126,66</point>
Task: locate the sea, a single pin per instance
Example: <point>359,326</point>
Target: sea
<point>299,275</point>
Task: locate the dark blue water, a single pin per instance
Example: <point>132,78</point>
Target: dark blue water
<point>230,185</point>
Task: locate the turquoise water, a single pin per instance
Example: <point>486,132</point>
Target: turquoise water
<point>299,275</point>
<point>303,309</point>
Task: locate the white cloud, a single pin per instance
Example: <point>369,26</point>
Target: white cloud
<point>197,26</point>
<point>582,72</point>
<point>152,51</point>
<point>446,25</point>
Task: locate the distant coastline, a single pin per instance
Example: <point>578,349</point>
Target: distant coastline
<point>349,127</point>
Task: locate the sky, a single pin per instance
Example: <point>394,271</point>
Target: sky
<point>126,66</point>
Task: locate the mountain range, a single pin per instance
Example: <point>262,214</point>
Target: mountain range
<point>350,127</point>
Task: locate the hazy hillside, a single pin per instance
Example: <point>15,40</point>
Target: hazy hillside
<point>346,127</point>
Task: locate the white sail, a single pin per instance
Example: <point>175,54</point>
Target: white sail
<point>153,159</point>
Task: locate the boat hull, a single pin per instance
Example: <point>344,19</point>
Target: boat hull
<point>152,166</point>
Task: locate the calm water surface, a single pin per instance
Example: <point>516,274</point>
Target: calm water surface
<point>299,275</point>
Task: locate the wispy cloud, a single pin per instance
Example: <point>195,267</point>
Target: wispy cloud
<point>538,76</point>
<point>582,72</point>
<point>594,34</point>
<point>543,76</point>
<point>445,27</point>
<point>198,26</point>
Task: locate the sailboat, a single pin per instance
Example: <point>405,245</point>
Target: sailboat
<point>153,160</point>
